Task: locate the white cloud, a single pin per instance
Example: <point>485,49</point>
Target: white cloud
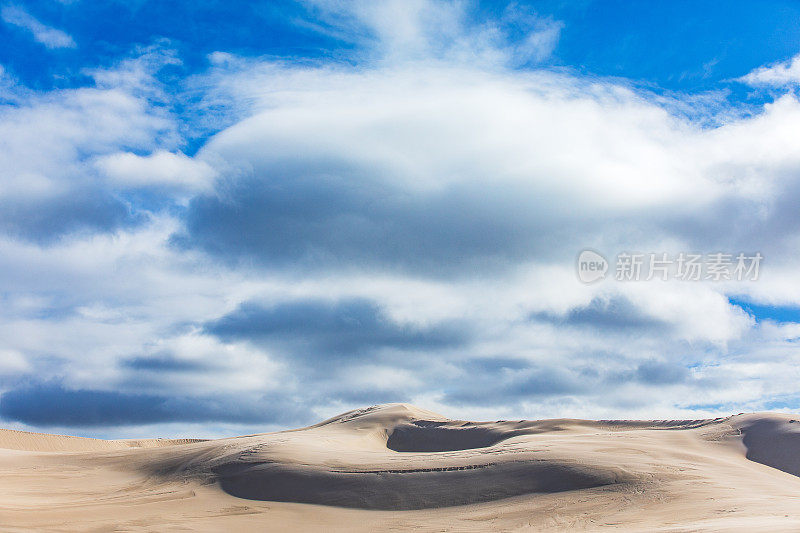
<point>160,169</point>
<point>599,145</point>
<point>49,186</point>
<point>780,74</point>
<point>396,31</point>
<point>70,123</point>
<point>13,363</point>
<point>50,37</point>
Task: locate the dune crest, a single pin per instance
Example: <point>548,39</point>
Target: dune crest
<point>12,439</point>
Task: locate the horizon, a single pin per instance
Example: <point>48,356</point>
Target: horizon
<point>415,410</point>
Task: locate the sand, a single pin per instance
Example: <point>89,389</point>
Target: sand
<point>396,467</point>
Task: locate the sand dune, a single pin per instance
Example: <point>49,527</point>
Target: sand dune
<point>11,439</point>
<point>397,467</point>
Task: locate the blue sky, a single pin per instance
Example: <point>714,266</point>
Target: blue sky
<point>226,217</point>
<point>775,313</point>
<point>681,45</point>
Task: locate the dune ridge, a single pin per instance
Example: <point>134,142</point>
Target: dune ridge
<point>13,439</point>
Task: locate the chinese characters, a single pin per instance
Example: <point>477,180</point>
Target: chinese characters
<point>686,266</point>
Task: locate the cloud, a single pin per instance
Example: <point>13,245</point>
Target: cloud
<point>45,219</point>
<point>397,31</point>
<point>338,172</point>
<point>13,363</point>
<point>316,330</point>
<point>51,187</point>
<point>165,363</point>
<point>512,386</point>
<point>160,170</point>
<point>661,373</point>
<point>615,313</point>
<point>50,404</point>
<point>50,37</point>
<point>343,220</point>
<point>782,74</point>
<point>504,381</point>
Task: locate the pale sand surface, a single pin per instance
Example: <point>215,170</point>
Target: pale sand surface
<point>397,467</point>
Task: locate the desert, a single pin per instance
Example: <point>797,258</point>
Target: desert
<point>399,265</point>
<point>399,467</point>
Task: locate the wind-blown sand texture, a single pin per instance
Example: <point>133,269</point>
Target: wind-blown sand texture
<point>398,467</point>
